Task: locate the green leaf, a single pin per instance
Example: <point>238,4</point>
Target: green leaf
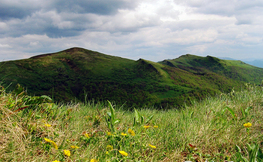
<point>232,112</point>
<point>191,114</point>
<point>46,97</point>
<point>142,119</point>
<point>116,121</point>
<point>238,149</point>
<point>252,152</point>
<point>247,110</point>
<point>249,147</point>
<point>109,114</point>
<point>137,117</point>
<point>149,119</point>
<point>239,156</point>
<point>243,113</point>
<point>260,154</point>
<point>112,111</point>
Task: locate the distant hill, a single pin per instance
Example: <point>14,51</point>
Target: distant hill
<point>258,63</point>
<point>234,69</point>
<point>226,58</point>
<point>80,74</point>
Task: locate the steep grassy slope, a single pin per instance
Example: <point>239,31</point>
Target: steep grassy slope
<point>80,74</point>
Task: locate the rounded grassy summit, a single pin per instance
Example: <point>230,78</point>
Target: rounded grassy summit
<point>77,74</point>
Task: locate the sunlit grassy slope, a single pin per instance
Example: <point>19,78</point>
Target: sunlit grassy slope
<point>234,69</point>
<point>223,128</point>
<point>78,74</point>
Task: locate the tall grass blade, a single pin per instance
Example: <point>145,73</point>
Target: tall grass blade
<point>136,117</point>
<point>231,112</point>
<point>149,119</point>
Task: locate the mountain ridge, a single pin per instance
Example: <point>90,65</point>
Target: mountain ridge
<point>81,74</point>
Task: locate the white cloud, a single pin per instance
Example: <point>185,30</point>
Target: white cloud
<point>132,29</point>
<point>247,39</point>
<point>5,46</point>
<point>3,26</point>
<point>197,49</point>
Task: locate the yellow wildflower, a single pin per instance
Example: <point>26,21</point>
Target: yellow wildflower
<point>67,153</point>
<point>107,152</point>
<point>55,161</point>
<point>156,126</point>
<point>47,125</point>
<point>74,147</point>
<point>55,145</point>
<point>123,134</point>
<point>93,160</point>
<point>146,126</point>
<point>123,153</point>
<point>247,125</point>
<point>87,135</point>
<point>152,146</point>
<point>52,142</point>
<point>48,140</point>
<point>131,132</point>
<point>109,147</point>
<point>109,133</point>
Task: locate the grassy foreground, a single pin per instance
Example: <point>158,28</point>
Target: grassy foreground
<point>228,127</point>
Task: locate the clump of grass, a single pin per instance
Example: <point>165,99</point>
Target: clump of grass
<point>35,129</point>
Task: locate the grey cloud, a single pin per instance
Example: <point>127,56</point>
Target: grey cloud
<point>244,19</point>
<point>50,23</point>
<point>13,12</point>
<point>125,24</point>
<point>245,12</point>
<point>59,18</point>
<point>218,7</point>
<point>21,9</point>
<point>244,4</point>
<point>101,7</point>
<point>197,24</point>
<point>222,7</point>
<point>56,24</point>
<point>127,29</point>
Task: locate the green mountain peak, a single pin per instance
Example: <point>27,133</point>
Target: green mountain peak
<point>81,74</point>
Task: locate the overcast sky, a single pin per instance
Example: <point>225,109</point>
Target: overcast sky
<point>150,29</point>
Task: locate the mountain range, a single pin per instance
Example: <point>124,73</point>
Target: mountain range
<point>258,63</point>
<point>78,74</point>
